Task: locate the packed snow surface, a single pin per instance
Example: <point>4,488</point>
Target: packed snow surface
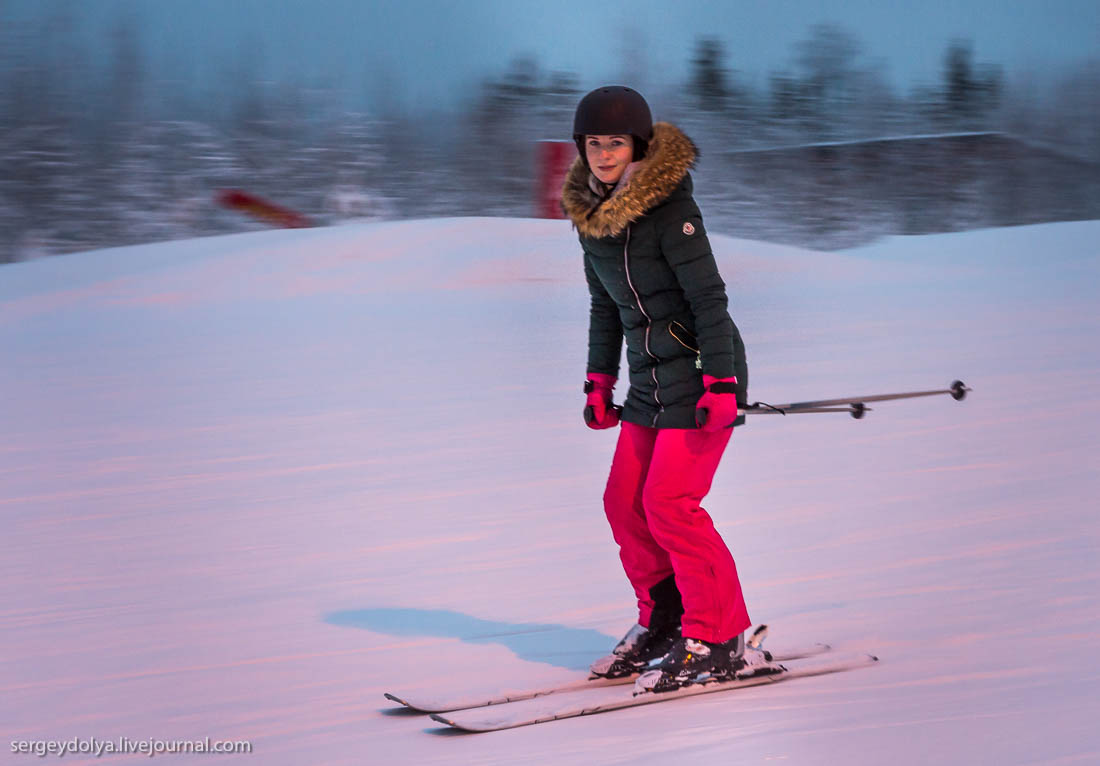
<point>250,483</point>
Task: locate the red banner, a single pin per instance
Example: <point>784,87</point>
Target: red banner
<point>260,208</point>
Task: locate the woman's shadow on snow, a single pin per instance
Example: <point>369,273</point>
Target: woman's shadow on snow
<point>556,645</point>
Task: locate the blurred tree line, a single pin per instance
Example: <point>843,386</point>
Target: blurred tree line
<point>101,156</point>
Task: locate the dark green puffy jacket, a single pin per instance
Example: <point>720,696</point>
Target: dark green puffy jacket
<point>654,281</point>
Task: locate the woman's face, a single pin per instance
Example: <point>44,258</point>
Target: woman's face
<point>608,156</point>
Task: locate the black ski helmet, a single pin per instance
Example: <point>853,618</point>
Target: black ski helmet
<point>613,109</point>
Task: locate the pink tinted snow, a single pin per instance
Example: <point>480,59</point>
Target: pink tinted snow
<point>250,483</point>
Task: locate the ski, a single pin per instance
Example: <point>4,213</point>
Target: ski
<point>590,702</point>
<point>446,704</point>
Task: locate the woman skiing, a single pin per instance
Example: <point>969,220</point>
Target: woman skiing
<point>654,281</point>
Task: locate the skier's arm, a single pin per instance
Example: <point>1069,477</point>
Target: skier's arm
<point>605,329</point>
<point>686,248</point>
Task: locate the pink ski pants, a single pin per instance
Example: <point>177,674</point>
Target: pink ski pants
<point>658,478</point>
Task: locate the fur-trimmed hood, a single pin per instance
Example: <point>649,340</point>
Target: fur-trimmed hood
<point>671,154</point>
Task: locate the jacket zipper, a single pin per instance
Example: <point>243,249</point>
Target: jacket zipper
<point>648,325</point>
<point>689,347</point>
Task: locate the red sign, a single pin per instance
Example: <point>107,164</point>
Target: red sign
<point>554,160</point>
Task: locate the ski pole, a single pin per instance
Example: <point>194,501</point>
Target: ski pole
<point>856,406</point>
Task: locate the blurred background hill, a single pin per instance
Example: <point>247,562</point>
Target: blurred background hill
<point>118,129</point>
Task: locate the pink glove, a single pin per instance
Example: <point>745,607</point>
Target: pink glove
<point>599,412</point>
<point>717,407</point>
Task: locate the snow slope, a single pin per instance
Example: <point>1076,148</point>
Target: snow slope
<point>249,483</point>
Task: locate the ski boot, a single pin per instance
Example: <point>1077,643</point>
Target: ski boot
<point>695,662</point>
<point>638,648</point>
<point>691,661</point>
<point>641,645</point>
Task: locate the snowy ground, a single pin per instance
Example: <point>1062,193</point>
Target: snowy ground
<point>249,483</point>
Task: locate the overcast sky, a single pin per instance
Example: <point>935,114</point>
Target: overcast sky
<point>417,51</point>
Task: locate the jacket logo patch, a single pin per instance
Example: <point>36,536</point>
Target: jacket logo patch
<point>688,228</point>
